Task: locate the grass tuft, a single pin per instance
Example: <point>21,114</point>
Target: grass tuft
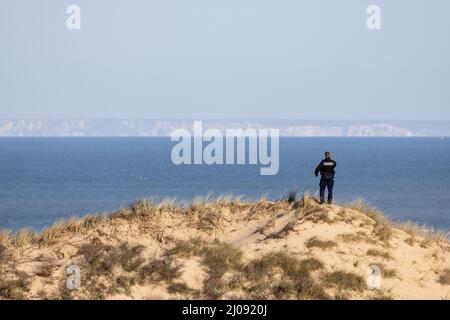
<point>379,253</point>
<point>158,270</point>
<point>315,242</point>
<point>45,270</point>
<point>5,238</point>
<point>219,259</point>
<point>291,196</point>
<point>387,272</point>
<point>296,281</point>
<point>14,288</point>
<point>444,277</point>
<point>187,249</point>
<point>180,288</point>
<point>355,237</point>
<point>4,254</point>
<point>23,237</point>
<point>343,280</point>
<point>382,226</point>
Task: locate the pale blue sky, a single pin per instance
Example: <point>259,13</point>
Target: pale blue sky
<point>225,59</point>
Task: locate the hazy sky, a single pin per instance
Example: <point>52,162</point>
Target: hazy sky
<point>202,59</point>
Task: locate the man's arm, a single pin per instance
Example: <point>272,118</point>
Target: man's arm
<point>318,169</point>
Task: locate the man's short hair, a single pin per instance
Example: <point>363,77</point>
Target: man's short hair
<point>327,153</point>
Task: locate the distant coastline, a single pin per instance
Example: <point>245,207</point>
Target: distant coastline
<point>164,127</point>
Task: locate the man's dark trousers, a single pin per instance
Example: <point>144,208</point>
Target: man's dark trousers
<point>326,181</point>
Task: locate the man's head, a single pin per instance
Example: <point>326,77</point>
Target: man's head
<point>327,155</point>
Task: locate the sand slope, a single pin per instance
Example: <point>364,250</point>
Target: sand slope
<point>227,249</point>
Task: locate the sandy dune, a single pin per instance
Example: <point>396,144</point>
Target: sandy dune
<point>227,249</point>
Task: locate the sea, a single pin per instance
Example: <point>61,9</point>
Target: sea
<point>44,180</point>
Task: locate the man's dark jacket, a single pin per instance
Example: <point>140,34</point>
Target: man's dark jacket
<point>326,168</point>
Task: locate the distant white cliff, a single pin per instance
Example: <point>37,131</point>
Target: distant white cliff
<point>161,128</point>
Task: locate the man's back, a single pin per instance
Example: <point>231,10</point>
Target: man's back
<point>326,169</point>
<point>326,166</point>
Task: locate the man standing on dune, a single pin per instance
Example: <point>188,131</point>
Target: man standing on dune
<point>326,169</point>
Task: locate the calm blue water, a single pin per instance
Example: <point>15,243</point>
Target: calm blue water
<point>45,179</point>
